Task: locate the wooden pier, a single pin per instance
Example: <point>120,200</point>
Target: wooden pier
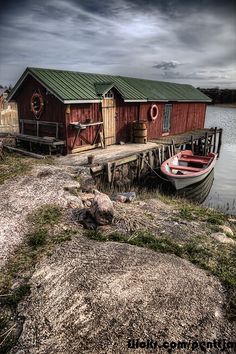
<point>121,166</point>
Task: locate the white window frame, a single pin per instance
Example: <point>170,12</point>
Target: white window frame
<point>109,95</point>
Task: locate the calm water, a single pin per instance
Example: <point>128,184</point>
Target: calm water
<point>223,192</point>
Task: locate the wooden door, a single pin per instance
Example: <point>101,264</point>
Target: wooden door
<point>109,120</point>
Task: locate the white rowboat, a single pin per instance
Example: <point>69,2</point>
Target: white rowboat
<point>184,168</point>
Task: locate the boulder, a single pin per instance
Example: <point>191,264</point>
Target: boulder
<point>102,209</point>
<point>221,237</point>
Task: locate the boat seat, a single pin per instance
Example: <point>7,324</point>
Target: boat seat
<point>192,160</point>
<point>196,157</point>
<point>185,168</point>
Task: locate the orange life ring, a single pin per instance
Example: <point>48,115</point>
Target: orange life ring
<point>37,103</point>
<point>154,112</point>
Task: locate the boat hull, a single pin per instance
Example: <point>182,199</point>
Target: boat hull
<point>187,181</point>
<point>185,169</point>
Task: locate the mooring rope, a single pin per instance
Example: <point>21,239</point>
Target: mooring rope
<point>164,179</point>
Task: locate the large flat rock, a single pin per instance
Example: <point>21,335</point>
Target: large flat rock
<point>91,297</point>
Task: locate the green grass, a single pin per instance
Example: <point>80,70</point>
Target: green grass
<point>3,322</point>
<point>63,236</point>
<point>190,211</point>
<point>37,238</point>
<point>13,165</point>
<point>186,212</point>
<point>16,295</point>
<point>47,215</point>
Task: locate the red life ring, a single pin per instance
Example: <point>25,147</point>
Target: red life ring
<point>37,103</point>
<point>154,112</point>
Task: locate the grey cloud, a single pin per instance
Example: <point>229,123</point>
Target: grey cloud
<point>164,65</point>
<point>130,37</point>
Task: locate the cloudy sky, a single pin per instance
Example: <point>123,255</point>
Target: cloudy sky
<point>184,41</point>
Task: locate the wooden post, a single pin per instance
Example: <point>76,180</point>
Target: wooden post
<point>159,156</point>
<point>163,153</point>
<point>108,168</point>
<point>219,141</point>
<point>150,158</point>
<point>214,142</point>
<point>113,173</point>
<point>192,146</point>
<point>155,158</point>
<point>169,152</point>
<point>205,145</point>
<point>210,143</point>
<point>173,144</point>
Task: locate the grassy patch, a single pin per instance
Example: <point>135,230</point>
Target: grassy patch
<point>186,212</point>
<point>63,236</point>
<point>37,238</point>
<point>190,211</point>
<point>12,299</point>
<point>47,215</point>
<point>3,322</point>
<point>13,165</point>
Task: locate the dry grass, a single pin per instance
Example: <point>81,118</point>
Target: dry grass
<point>13,165</point>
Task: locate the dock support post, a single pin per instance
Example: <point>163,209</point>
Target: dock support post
<point>163,153</point>
<point>219,141</point>
<point>206,144</point>
<point>159,156</point>
<point>192,146</point>
<point>214,142</point>
<point>173,144</point>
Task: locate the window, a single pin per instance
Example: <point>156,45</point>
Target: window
<point>167,118</point>
<point>109,94</point>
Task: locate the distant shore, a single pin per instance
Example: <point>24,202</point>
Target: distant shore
<point>225,105</point>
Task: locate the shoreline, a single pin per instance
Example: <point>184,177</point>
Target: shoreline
<point>223,105</point>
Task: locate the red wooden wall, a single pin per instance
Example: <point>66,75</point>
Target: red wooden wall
<point>54,110</point>
<point>184,117</point>
<point>80,113</point>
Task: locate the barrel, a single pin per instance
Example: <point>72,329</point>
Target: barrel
<point>140,132</point>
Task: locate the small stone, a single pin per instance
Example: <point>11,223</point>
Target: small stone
<point>233,221</point>
<point>73,201</point>
<point>121,198</point>
<point>221,237</point>
<point>126,197</point>
<point>226,230</point>
<point>87,196</point>
<point>87,203</point>
<point>72,187</point>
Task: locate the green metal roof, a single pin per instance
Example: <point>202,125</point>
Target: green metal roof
<point>76,86</point>
<point>101,88</point>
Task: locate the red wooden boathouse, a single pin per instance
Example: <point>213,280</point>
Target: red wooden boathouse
<point>68,110</point>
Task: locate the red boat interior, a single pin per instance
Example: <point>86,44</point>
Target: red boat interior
<point>190,163</point>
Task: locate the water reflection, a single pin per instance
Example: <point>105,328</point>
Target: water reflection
<point>197,192</point>
<point>223,193</point>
